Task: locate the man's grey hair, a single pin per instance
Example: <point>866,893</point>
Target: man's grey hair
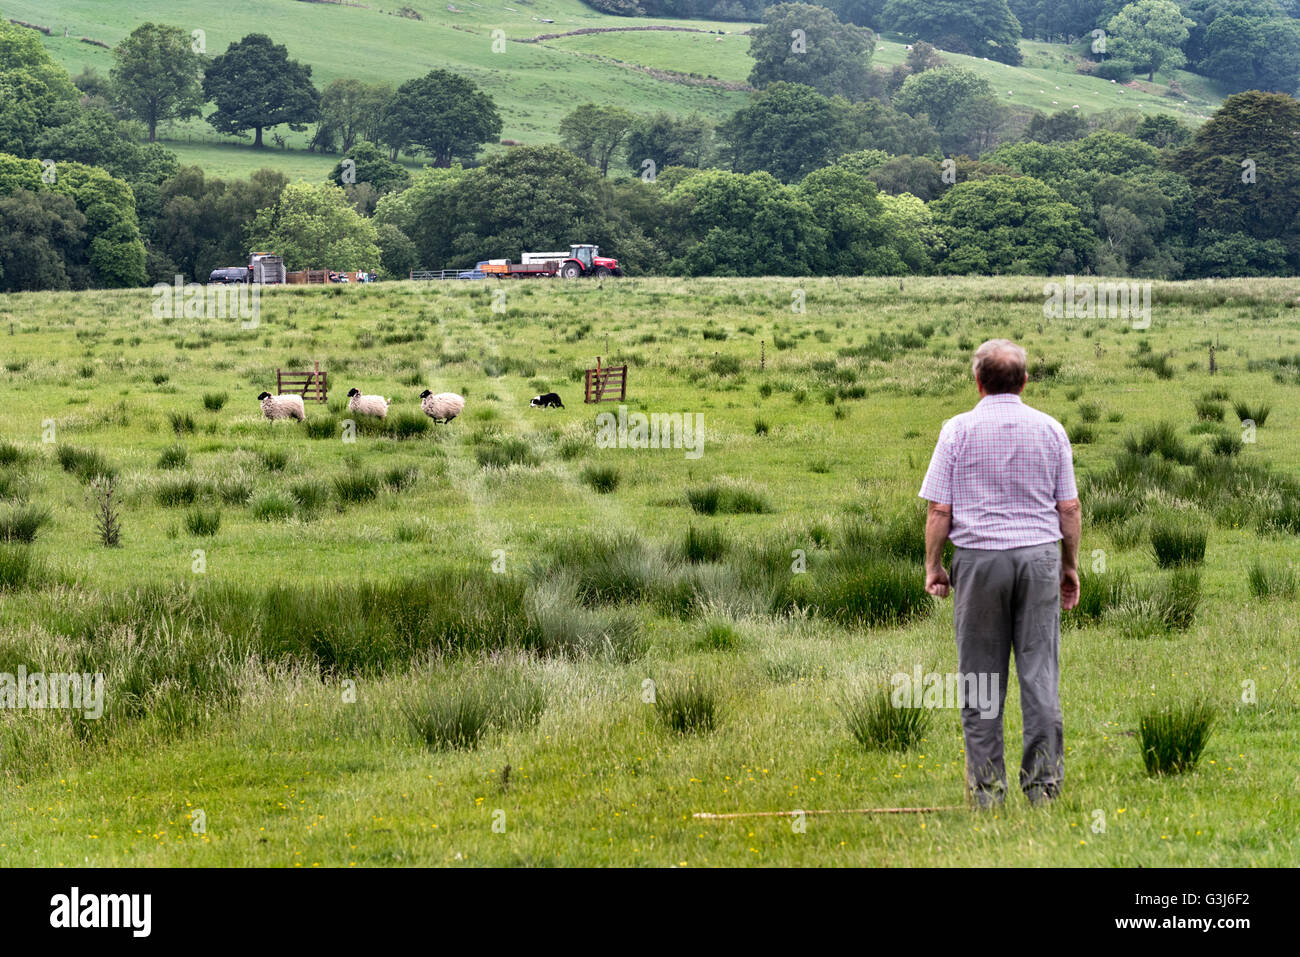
<point>999,366</point>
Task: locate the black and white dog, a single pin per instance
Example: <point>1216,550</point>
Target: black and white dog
<point>548,401</point>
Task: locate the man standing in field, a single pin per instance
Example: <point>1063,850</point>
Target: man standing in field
<point>1001,486</point>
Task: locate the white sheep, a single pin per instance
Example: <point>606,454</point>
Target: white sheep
<point>282,407</point>
<point>442,407</point>
<point>375,405</point>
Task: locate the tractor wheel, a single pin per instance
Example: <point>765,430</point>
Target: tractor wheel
<point>602,272</point>
<point>570,270</point>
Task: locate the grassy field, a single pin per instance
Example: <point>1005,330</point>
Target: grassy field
<point>534,84</point>
<point>294,625</point>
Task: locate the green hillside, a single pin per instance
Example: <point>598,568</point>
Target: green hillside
<point>701,67</point>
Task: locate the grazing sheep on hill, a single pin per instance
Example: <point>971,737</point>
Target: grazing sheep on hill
<point>442,407</point>
<point>282,407</point>
<point>375,405</point>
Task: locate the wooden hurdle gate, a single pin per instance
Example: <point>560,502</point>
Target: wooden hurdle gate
<point>606,385</point>
<point>312,385</point>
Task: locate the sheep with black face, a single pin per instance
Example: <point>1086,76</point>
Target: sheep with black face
<point>372,405</point>
<point>442,407</point>
<point>282,407</point>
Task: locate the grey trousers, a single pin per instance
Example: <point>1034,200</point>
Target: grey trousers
<point>1004,600</point>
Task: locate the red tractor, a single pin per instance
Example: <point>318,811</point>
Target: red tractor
<point>585,260</point>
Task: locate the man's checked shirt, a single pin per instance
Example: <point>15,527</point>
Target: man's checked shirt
<point>1002,467</point>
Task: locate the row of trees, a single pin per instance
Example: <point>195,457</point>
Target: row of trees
<point>159,76</point>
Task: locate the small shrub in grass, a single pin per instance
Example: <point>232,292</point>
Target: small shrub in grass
<point>1179,598</point>
<point>309,495</point>
<point>202,522</point>
<point>761,427</point>
<point>1225,444</point>
<point>720,636</point>
<point>765,390</point>
<point>1081,433</point>
<point>214,401</point>
<point>1099,592</point>
<point>704,499</point>
<point>160,378</point>
<point>706,544</point>
<point>1177,541</point>
<point>173,457</point>
<point>178,493</point>
<point>272,506</point>
<point>322,428</point>
<point>872,593</point>
<point>601,478</point>
<point>1161,439</point>
<point>1284,516</point>
<point>407,425</point>
<point>19,568</point>
<point>21,524</point>
<point>572,447</point>
<point>401,477</point>
<point>1271,582</point>
<point>274,460</point>
<point>1174,737</point>
<point>687,707</point>
<point>877,725</point>
<point>1209,411</point>
<point>1089,412</point>
<point>503,453</point>
<point>452,722</point>
<point>234,490</point>
<point>181,422</point>
<point>10,454</point>
<point>108,518</point>
<point>1112,508</point>
<point>356,487</point>
<point>1254,413</point>
<point>85,464</point>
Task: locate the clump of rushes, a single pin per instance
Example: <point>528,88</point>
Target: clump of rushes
<point>1253,413</point>
<point>214,401</point>
<point>1178,541</point>
<point>601,478</point>
<point>707,544</point>
<point>1174,737</point>
<point>877,725</point>
<point>173,457</point>
<point>1266,582</point>
<point>181,422</point>
<point>20,524</point>
<point>688,707</point>
<point>201,522</point>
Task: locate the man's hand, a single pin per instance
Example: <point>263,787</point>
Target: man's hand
<point>1069,587</point>
<point>936,582</point>
<point>938,522</point>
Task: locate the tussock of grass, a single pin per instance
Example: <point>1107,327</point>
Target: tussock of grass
<point>173,457</point>
<point>687,706</point>
<point>21,523</point>
<point>356,487</point>
<point>1271,582</point>
<point>458,719</point>
<point>85,464</point>
<point>1174,737</point>
<point>203,522</point>
<point>601,478</point>
<point>877,725</point>
<point>1178,541</point>
<point>705,544</point>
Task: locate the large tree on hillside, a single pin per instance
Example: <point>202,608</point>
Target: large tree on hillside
<point>596,132</point>
<point>960,105</point>
<point>788,130</point>
<point>1245,169</point>
<point>978,27</point>
<point>35,92</point>
<point>315,227</point>
<point>255,85</point>
<point>1150,33</point>
<point>800,43</point>
<point>350,110</point>
<point>442,114</point>
<point>668,140</point>
<point>1010,224</point>
<point>157,75</point>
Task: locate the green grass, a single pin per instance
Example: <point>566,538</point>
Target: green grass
<point>877,725</point>
<point>233,678</point>
<point>1173,738</point>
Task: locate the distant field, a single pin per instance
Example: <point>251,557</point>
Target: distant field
<point>534,84</point>
<point>509,554</point>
